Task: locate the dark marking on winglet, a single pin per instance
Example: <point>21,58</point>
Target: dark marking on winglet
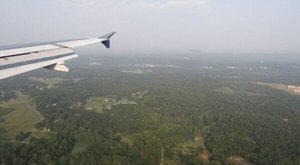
<point>107,37</point>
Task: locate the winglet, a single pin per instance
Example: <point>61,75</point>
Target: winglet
<point>106,38</point>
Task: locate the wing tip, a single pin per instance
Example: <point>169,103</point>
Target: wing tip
<point>108,36</point>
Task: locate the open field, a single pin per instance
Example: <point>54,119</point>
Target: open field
<point>80,146</point>
<point>49,81</point>
<point>288,88</point>
<point>22,118</point>
<point>230,91</point>
<point>127,140</point>
<point>225,90</point>
<point>237,160</point>
<point>98,104</point>
<point>82,143</point>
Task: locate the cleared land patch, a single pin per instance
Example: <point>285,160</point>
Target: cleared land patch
<point>225,90</point>
<point>82,143</point>
<point>98,104</point>
<point>204,156</point>
<point>127,140</point>
<point>237,160</point>
<point>288,88</point>
<point>229,91</point>
<point>24,117</point>
<point>49,81</point>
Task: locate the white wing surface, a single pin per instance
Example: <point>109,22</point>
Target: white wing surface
<point>15,60</point>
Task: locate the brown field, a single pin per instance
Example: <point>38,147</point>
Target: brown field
<point>237,160</point>
<point>204,157</point>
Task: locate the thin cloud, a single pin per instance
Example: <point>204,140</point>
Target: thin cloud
<point>181,3</point>
<point>156,4</point>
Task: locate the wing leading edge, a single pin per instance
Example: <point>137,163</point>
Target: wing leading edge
<point>50,55</point>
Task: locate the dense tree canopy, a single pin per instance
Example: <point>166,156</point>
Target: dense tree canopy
<point>186,112</point>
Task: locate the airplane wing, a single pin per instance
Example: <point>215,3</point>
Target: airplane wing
<point>51,55</point>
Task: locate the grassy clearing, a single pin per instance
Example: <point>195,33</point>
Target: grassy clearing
<point>80,146</point>
<point>127,140</point>
<point>40,134</point>
<point>98,104</point>
<point>24,117</point>
<point>237,160</point>
<point>225,90</point>
<point>190,145</point>
<point>49,81</point>
<point>82,143</point>
<point>229,91</point>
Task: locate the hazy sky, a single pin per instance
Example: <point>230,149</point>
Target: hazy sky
<point>254,26</point>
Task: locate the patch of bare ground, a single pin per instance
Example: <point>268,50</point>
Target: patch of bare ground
<point>237,160</point>
<point>288,88</point>
<point>285,119</point>
<point>204,157</point>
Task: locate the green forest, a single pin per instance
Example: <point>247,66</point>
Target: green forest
<point>153,110</point>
